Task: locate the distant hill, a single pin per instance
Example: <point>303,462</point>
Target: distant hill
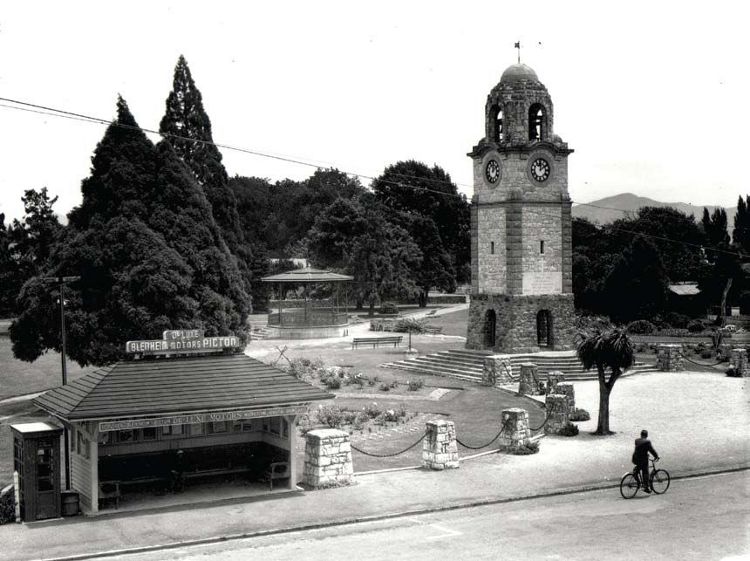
<point>610,209</point>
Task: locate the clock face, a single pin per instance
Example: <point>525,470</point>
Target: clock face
<point>540,169</point>
<point>492,171</point>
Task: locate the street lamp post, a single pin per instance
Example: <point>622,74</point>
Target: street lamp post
<point>61,281</point>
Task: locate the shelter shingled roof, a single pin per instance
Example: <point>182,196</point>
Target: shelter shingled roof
<point>177,385</point>
<point>307,274</point>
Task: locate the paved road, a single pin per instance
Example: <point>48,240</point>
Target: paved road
<point>706,518</point>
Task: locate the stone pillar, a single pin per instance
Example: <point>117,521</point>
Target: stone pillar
<point>739,360</point>
<point>557,411</point>
<point>528,384</point>
<point>328,459</point>
<point>567,389</point>
<point>554,378</point>
<point>669,357</point>
<point>497,370</point>
<point>516,427</point>
<point>439,450</point>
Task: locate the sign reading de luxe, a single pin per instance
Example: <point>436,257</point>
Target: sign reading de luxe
<point>183,340</point>
<point>129,424</point>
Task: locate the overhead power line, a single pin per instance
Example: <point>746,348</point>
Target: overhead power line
<point>55,112</point>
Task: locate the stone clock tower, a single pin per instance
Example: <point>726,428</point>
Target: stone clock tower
<point>521,252</point>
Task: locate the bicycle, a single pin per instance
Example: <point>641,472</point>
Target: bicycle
<point>631,481</point>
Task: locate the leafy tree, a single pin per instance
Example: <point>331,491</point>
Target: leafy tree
<point>636,288</point>
<point>414,188</point>
<point>25,246</point>
<point>715,229</point>
<point>741,232</point>
<point>722,256</point>
<point>36,233</point>
<point>8,291</point>
<point>674,234</point>
<point>150,263</point>
<point>607,350</point>
<point>354,237</point>
<point>436,268</point>
<point>187,128</point>
<point>281,215</point>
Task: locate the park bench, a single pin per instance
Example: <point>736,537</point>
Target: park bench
<point>377,341</point>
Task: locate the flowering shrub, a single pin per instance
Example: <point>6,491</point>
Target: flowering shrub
<point>405,325</point>
<point>641,327</point>
<point>7,506</point>
<point>371,410</point>
<point>527,449</point>
<point>568,430</point>
<point>415,385</point>
<point>579,415</point>
<point>388,308</point>
<point>304,368</point>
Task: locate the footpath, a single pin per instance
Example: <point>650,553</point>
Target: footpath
<point>698,423</point>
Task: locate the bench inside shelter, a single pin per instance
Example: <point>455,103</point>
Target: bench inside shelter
<point>394,340</point>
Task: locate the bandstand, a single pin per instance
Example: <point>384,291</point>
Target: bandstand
<point>310,316</point>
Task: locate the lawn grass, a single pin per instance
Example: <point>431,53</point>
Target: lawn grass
<point>475,410</point>
<point>18,377</point>
<point>453,323</point>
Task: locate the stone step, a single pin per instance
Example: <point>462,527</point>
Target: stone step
<point>449,359</point>
<point>435,363</point>
<point>468,365</point>
<point>431,368</point>
<point>422,370</point>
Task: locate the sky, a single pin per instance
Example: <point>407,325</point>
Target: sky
<point>650,95</point>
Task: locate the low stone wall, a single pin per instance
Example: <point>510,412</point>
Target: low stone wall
<point>516,430</point>
<point>558,413</point>
<point>439,449</point>
<point>669,357</point>
<point>328,459</point>
<point>497,370</point>
<point>528,384</point>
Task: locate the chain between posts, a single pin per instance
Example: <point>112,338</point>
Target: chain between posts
<point>389,455</point>
<point>484,445</point>
<point>549,414</point>
<point>701,364</point>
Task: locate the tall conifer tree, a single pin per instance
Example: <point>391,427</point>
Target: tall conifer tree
<point>149,254</point>
<point>187,128</point>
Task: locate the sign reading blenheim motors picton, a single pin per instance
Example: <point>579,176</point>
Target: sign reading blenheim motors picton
<point>182,341</point>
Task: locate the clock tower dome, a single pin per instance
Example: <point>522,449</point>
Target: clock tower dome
<point>521,231</point>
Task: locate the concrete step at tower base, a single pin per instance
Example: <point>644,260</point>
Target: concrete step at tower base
<point>466,364</point>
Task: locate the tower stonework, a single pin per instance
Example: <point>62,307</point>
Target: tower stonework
<point>521,231</point>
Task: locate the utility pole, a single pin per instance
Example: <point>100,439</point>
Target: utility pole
<point>61,281</point>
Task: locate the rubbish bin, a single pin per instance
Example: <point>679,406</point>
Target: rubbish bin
<point>69,503</point>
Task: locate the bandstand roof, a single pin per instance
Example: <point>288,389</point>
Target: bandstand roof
<point>307,274</point>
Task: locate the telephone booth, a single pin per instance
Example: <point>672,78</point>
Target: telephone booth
<point>36,458</point>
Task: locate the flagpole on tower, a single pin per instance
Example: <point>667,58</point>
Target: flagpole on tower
<point>518,46</point>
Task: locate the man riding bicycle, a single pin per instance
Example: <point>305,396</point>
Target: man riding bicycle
<point>640,458</point>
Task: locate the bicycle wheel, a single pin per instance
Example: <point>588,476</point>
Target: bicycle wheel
<point>628,486</point>
<point>659,481</point>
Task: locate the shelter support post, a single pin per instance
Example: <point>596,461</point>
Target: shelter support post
<point>292,422</point>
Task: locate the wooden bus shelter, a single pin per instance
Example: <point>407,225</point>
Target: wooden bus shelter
<point>178,412</point>
<point>309,317</point>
